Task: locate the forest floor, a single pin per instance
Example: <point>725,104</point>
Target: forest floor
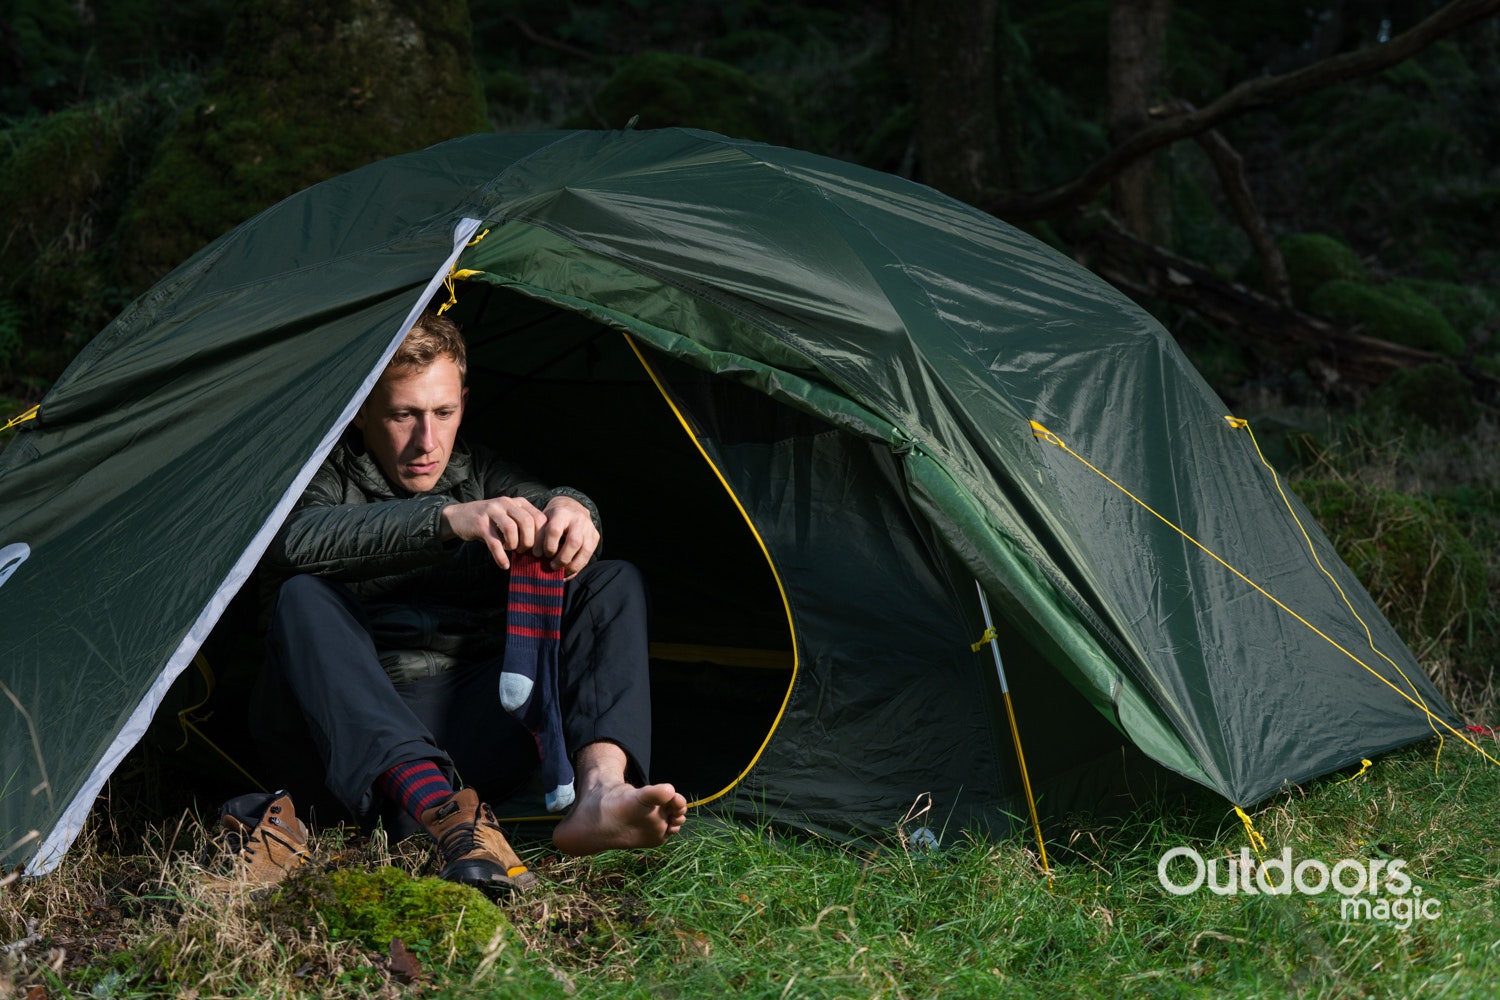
<point>728,908</point>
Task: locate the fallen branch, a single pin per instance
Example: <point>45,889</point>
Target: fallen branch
<point>1147,272</point>
<point>531,35</point>
<point>1230,167</point>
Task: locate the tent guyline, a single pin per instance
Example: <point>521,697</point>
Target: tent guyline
<point>1042,433</point>
<point>1239,423</point>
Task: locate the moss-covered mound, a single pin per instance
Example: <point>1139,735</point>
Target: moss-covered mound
<point>1469,309</point>
<point>1314,259</point>
<point>1436,396</point>
<point>435,919</point>
<point>1411,556</point>
<point>1389,312</point>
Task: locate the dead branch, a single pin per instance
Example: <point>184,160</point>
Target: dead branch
<point>532,35</point>
<point>1244,97</point>
<point>1230,167</point>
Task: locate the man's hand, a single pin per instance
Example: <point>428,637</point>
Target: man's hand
<point>504,525</point>
<point>568,538</point>
<point>563,534</point>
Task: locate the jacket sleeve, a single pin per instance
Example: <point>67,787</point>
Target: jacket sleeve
<point>332,538</point>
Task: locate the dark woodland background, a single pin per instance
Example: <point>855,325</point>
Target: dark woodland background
<point>1305,193</point>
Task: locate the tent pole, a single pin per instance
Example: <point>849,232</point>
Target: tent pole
<point>993,639</point>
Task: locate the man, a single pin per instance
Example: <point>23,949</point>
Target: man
<point>391,637</point>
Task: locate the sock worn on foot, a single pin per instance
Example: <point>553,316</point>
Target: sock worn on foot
<point>528,678</point>
<point>415,786</point>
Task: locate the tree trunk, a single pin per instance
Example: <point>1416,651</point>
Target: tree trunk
<point>953,69</point>
<point>1137,36</point>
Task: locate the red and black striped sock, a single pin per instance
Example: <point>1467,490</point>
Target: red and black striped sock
<point>528,679</point>
<point>415,786</point>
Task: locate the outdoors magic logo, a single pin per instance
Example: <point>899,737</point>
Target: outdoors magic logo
<point>1372,889</point>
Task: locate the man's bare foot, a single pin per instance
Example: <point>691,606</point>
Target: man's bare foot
<point>611,813</point>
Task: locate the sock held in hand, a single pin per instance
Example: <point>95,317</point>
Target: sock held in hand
<point>528,677</point>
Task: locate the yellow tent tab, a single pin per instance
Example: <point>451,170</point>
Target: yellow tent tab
<point>1046,435</point>
<point>22,418</point>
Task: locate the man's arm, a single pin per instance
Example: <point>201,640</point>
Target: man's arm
<point>335,532</point>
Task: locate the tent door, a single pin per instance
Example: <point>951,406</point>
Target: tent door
<point>570,401</point>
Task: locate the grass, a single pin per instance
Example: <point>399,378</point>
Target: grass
<point>758,912</point>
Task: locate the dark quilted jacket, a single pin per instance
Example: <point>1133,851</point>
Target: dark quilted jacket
<point>431,603</point>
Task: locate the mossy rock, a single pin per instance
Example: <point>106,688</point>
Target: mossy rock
<point>433,918</point>
<point>1410,555</point>
<point>1388,312</point>
<point>304,94</point>
<point>1468,308</point>
<point>1314,259</point>
<point>664,89</point>
<point>1435,395</point>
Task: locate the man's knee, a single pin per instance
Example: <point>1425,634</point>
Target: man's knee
<point>309,608</point>
<point>306,596</point>
<point>612,582</point>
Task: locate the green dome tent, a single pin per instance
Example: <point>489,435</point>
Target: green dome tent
<point>816,404</point>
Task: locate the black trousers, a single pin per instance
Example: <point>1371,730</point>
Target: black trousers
<point>329,721</point>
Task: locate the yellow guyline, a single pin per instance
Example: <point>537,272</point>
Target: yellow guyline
<point>1043,434</point>
<point>1239,423</point>
<point>21,418</point>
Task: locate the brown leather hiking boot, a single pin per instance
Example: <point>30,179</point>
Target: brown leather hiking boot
<point>265,833</point>
<point>473,849</point>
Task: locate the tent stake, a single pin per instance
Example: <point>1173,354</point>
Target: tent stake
<point>1015,731</point>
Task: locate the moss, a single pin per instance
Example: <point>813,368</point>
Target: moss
<point>1388,312</point>
<point>304,94</point>
<point>64,183</point>
<point>435,919</point>
<point>1467,307</point>
<point>1314,259</point>
<point>1411,556</point>
<point>665,89</point>
<point>1434,395</point>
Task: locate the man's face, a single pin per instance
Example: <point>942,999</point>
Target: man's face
<point>410,422</point>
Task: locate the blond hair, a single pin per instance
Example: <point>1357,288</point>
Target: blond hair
<point>431,337</point>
